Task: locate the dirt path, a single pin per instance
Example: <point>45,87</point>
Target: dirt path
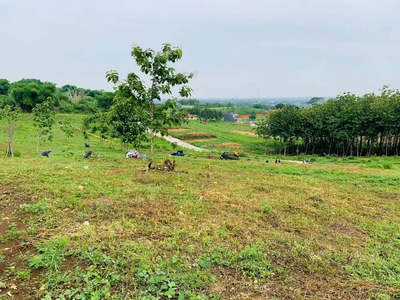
<point>180,142</point>
<point>292,161</point>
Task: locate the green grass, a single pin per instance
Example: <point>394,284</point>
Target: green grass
<point>25,141</point>
<point>103,229</point>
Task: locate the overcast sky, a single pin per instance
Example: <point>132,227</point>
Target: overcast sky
<point>240,48</point>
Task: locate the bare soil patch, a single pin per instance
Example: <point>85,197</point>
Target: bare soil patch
<point>347,229</point>
<point>13,249</point>
<point>10,201</point>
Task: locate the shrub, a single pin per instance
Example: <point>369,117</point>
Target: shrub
<point>51,255</point>
<point>350,157</point>
<point>387,166</point>
<point>67,108</point>
<point>36,208</point>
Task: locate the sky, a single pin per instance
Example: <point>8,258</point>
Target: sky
<point>238,48</point>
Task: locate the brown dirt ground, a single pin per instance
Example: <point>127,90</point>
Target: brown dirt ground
<point>10,200</point>
<point>14,250</point>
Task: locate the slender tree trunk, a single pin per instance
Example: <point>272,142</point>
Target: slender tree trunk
<point>356,145</point>
<point>397,146</point>
<point>151,134</point>
<point>351,146</point>
<point>284,152</point>
<point>394,145</point>
<point>370,146</point>
<point>320,145</point>
<point>151,144</point>
<point>10,150</point>
<point>387,142</point>
<point>381,145</point>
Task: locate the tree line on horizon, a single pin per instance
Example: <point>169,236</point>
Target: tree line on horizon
<point>348,125</point>
<point>27,93</point>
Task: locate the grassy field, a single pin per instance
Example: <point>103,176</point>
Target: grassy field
<point>103,228</point>
<point>25,141</point>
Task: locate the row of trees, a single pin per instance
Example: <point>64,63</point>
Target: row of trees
<point>44,119</point>
<point>347,125</point>
<point>210,115</point>
<point>27,93</point>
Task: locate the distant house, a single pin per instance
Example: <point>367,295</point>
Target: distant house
<point>232,117</point>
<point>192,117</point>
<point>187,106</point>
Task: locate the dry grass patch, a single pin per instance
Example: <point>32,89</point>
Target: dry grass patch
<point>177,129</point>
<point>246,133</point>
<point>201,140</point>
<point>227,145</point>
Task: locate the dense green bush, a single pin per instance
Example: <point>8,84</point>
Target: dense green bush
<point>27,93</point>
